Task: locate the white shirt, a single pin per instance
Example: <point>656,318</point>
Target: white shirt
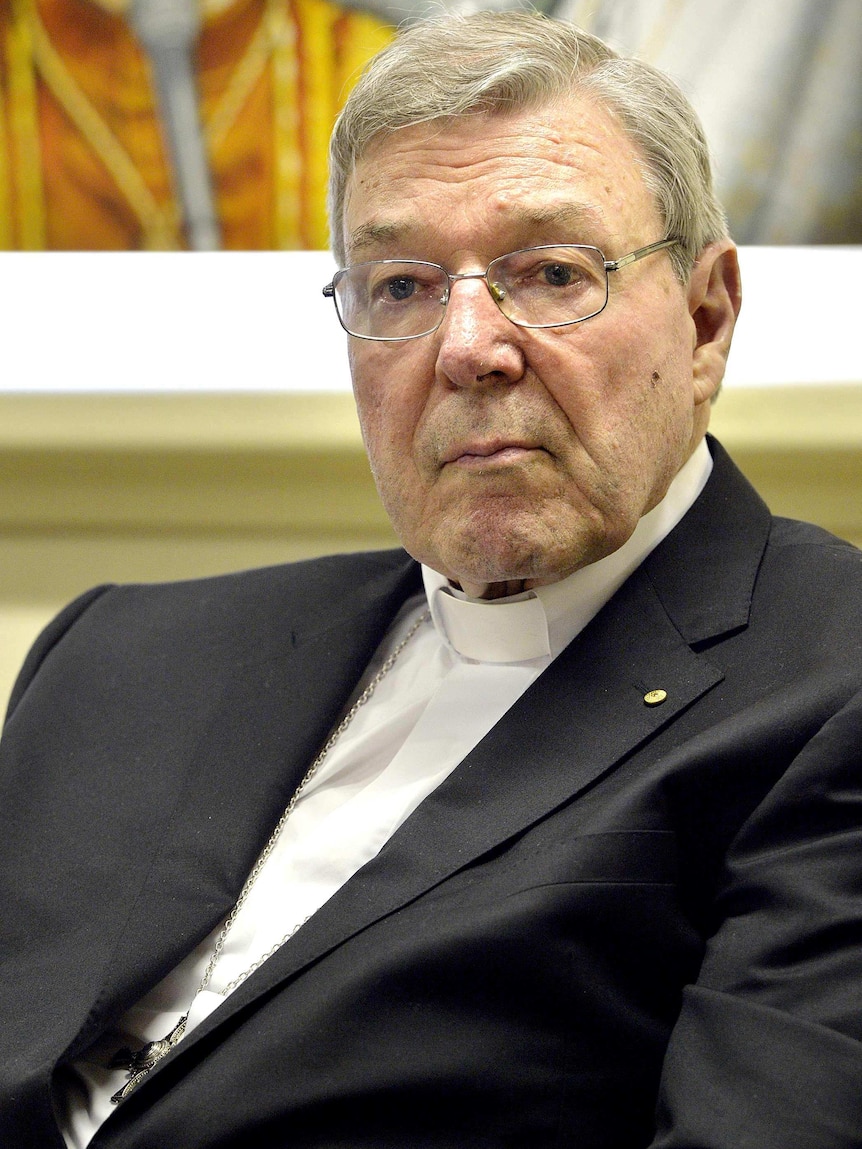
<point>458,675</point>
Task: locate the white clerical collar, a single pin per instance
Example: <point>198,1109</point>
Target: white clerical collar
<point>538,624</point>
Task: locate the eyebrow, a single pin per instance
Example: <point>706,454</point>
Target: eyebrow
<point>374,235</point>
<point>577,220</point>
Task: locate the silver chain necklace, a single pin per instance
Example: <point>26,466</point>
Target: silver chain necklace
<point>139,1064</point>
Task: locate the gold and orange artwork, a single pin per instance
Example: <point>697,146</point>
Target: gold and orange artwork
<point>84,159</point>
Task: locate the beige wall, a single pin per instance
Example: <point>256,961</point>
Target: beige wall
<point>127,487</point>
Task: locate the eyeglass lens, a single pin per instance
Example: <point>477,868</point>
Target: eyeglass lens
<point>536,287</point>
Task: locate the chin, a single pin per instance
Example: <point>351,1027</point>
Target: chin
<point>528,562</point>
<point>519,557</point>
<point>504,541</point>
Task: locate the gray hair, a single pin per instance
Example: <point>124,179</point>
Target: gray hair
<point>490,62</point>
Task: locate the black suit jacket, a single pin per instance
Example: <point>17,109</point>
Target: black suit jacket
<point>606,904</point>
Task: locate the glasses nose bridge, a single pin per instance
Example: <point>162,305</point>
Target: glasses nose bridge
<point>496,293</point>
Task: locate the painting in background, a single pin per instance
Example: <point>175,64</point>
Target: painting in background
<point>166,124</point>
<point>778,85</point>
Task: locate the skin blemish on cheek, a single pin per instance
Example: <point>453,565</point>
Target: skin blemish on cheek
<point>655,379</point>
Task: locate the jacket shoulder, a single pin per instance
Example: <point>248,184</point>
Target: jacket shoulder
<point>242,616</point>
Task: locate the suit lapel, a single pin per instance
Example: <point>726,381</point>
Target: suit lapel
<point>705,571</point>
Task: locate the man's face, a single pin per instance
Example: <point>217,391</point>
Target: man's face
<point>506,455</point>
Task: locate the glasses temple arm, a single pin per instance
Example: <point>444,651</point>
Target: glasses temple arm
<point>634,256</point>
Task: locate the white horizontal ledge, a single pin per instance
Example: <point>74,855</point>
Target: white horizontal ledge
<point>175,322</point>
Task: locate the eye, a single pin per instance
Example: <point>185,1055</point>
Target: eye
<point>560,274</point>
<point>549,271</point>
<point>386,288</point>
<point>400,288</point>
<point>403,287</point>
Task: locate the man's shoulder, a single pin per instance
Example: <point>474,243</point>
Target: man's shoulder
<point>244,600</point>
<point>819,543</point>
<point>814,559</point>
<point>226,619</point>
<point>730,562</point>
<point>813,571</point>
<point>730,523</point>
<point>305,581</point>
<point>312,579</point>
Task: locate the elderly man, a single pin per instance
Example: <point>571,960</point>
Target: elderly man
<point>551,840</point>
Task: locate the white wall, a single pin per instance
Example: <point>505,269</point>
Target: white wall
<point>236,321</point>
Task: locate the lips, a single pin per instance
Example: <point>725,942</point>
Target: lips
<point>489,451</point>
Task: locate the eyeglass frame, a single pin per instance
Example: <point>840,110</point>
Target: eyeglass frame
<point>453,277</point>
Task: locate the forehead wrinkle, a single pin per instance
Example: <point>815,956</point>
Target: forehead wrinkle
<point>574,221</point>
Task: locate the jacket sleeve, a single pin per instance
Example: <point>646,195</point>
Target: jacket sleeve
<point>767,1051</point>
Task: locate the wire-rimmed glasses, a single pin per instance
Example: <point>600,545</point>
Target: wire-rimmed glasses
<point>549,286</point>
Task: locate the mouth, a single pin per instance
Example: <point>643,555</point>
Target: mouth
<point>490,453</point>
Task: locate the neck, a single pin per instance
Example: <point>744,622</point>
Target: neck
<point>492,590</point>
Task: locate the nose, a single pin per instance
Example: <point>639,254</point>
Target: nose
<point>477,344</point>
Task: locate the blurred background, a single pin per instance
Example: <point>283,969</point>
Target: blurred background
<point>166,414</point>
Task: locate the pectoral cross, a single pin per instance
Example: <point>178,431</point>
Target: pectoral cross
<point>139,1064</point>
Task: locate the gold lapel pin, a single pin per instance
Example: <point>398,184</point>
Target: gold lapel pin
<point>655,697</point>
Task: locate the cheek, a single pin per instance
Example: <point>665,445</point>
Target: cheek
<point>389,410</point>
<point>658,424</point>
<point>650,380</point>
<point>628,399</point>
<point>596,382</point>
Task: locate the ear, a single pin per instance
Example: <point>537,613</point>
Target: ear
<point>714,299</point>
